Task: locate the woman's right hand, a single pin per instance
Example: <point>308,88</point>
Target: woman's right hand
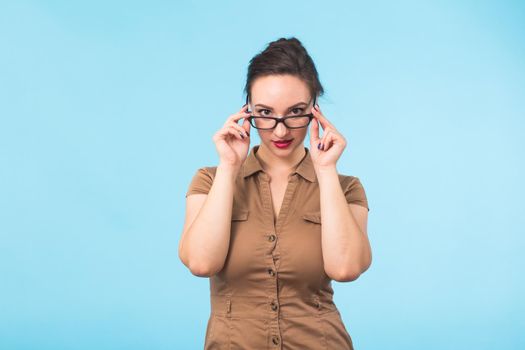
<point>231,146</point>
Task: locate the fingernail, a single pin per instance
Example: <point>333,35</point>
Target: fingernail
<point>319,145</point>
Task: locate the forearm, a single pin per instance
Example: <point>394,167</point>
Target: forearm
<point>345,247</point>
<point>207,239</point>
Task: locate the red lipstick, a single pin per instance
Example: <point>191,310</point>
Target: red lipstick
<point>282,143</point>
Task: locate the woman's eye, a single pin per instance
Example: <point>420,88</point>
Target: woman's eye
<point>261,111</point>
<point>267,112</point>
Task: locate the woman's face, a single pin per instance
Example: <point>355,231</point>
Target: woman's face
<point>280,96</point>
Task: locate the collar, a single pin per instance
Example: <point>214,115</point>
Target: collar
<point>305,168</point>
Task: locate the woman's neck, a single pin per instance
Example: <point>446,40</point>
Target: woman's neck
<point>279,165</point>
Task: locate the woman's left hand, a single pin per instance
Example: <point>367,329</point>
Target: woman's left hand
<point>331,144</point>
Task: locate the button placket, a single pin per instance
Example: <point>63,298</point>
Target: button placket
<point>228,307</point>
<point>274,305</point>
<point>317,303</point>
<point>275,340</point>
<point>273,253</point>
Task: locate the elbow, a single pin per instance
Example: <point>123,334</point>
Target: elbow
<point>197,266</point>
<point>196,269</point>
<point>202,270</point>
<point>345,275</point>
<point>351,274</point>
<point>182,256</point>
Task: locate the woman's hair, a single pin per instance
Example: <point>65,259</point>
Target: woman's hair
<point>284,56</point>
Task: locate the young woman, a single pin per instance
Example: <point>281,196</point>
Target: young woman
<point>272,228</point>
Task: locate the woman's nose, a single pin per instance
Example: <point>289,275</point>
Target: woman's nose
<point>280,130</point>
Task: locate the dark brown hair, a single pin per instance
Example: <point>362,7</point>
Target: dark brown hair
<point>284,56</point>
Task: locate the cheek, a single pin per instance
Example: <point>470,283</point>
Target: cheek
<point>299,134</point>
<point>264,136</point>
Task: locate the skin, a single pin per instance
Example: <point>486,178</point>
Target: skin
<point>205,240</point>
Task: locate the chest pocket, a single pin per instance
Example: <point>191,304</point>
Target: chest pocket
<point>240,214</point>
<point>313,216</point>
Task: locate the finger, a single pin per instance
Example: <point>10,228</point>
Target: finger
<point>324,139</point>
<point>239,128</point>
<point>229,131</point>
<point>237,116</point>
<point>325,123</point>
<point>334,138</point>
<point>235,132</point>
<point>314,133</point>
<point>319,117</point>
<point>330,139</point>
<point>246,126</point>
<point>244,110</point>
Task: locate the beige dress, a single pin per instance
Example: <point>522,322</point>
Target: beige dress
<point>273,292</point>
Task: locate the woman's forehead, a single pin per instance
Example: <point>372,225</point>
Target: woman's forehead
<point>279,91</point>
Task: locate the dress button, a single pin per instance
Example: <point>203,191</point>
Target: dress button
<point>274,306</point>
<point>271,272</point>
<point>275,340</point>
<point>271,238</point>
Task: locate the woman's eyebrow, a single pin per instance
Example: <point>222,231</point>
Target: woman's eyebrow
<point>295,105</point>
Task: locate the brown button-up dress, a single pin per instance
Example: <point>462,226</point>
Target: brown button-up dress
<point>273,292</point>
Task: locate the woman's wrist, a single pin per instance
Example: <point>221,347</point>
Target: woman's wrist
<point>229,169</point>
<point>324,170</point>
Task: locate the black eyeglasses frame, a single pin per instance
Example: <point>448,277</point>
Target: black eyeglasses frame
<point>280,120</point>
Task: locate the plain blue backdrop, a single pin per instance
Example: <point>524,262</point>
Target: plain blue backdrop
<point>108,109</point>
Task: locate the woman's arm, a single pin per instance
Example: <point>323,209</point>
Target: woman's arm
<point>205,240</point>
<point>345,245</point>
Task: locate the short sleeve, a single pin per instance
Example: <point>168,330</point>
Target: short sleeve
<point>201,182</point>
<point>355,192</point>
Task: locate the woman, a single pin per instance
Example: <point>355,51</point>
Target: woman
<point>272,229</point>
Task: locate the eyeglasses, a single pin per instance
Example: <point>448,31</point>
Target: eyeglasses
<point>292,122</point>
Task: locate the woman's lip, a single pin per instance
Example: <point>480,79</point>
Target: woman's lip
<point>283,141</point>
<point>283,145</point>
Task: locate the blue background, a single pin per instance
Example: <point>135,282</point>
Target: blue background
<point>108,108</point>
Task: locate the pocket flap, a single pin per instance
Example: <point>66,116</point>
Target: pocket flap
<point>240,215</point>
<point>313,216</point>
